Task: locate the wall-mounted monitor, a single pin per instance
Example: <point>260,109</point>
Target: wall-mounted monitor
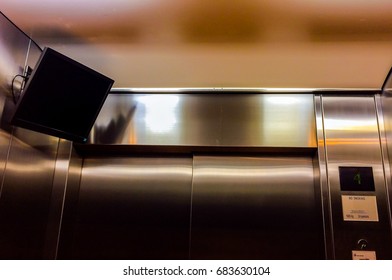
<point>62,97</point>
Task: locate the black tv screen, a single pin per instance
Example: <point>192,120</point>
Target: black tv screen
<point>62,97</point>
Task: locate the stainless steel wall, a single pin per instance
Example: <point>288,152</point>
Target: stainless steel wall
<point>13,50</point>
<point>384,107</point>
<point>352,139</point>
<point>27,159</point>
<point>206,118</point>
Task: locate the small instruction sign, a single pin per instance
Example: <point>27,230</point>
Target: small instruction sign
<point>364,255</point>
<point>360,208</point>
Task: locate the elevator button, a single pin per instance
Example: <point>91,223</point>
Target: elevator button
<point>362,244</point>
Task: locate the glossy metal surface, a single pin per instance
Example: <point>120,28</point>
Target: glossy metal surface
<point>352,139</point>
<point>386,116</point>
<point>69,209</point>
<point>27,159</point>
<point>255,208</point>
<point>25,200</point>
<point>13,52</point>
<point>385,110</point>
<point>384,151</point>
<point>60,180</point>
<point>207,119</point>
<point>386,105</point>
<point>387,86</point>
<point>322,180</point>
<point>132,208</point>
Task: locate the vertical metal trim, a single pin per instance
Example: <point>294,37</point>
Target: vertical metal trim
<point>384,154</point>
<point>60,179</point>
<point>63,202</point>
<point>324,182</point>
<point>190,211</point>
<point>6,161</point>
<point>27,58</point>
<point>70,203</point>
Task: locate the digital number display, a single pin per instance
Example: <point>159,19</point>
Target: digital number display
<point>356,178</point>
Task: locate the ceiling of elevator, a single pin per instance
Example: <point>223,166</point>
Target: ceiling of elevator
<point>221,43</point>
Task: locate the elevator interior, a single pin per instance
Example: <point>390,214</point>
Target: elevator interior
<point>200,174</point>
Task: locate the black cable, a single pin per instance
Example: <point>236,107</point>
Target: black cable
<point>12,86</point>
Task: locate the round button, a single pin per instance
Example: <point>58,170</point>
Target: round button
<point>362,244</point>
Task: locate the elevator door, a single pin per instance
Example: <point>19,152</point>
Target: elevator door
<point>205,207</point>
<point>255,208</point>
<point>131,208</point>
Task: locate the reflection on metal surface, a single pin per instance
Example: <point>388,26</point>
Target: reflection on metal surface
<point>216,90</point>
<point>199,119</point>
<point>60,180</point>
<point>384,112</point>
<point>69,208</point>
<point>352,125</point>
<point>387,86</point>
<point>160,112</point>
<point>283,100</point>
<point>386,109</point>
<point>355,142</point>
<point>351,130</point>
<point>242,207</point>
<point>255,208</point>
<point>13,51</point>
<point>132,208</point>
<point>288,119</point>
<point>25,200</point>
<point>322,180</point>
<point>27,159</point>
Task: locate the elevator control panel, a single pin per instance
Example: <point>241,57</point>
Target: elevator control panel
<point>359,202</point>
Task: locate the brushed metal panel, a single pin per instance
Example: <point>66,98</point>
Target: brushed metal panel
<point>70,207</point>
<point>133,208</point>
<point>60,180</point>
<point>255,208</point>
<point>384,150</point>
<point>352,139</point>
<point>386,106</point>
<point>200,119</point>
<point>25,200</point>
<point>13,52</point>
<point>26,167</point>
<point>13,49</point>
<point>322,180</point>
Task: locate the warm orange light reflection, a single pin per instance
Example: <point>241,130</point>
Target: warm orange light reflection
<point>351,141</point>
